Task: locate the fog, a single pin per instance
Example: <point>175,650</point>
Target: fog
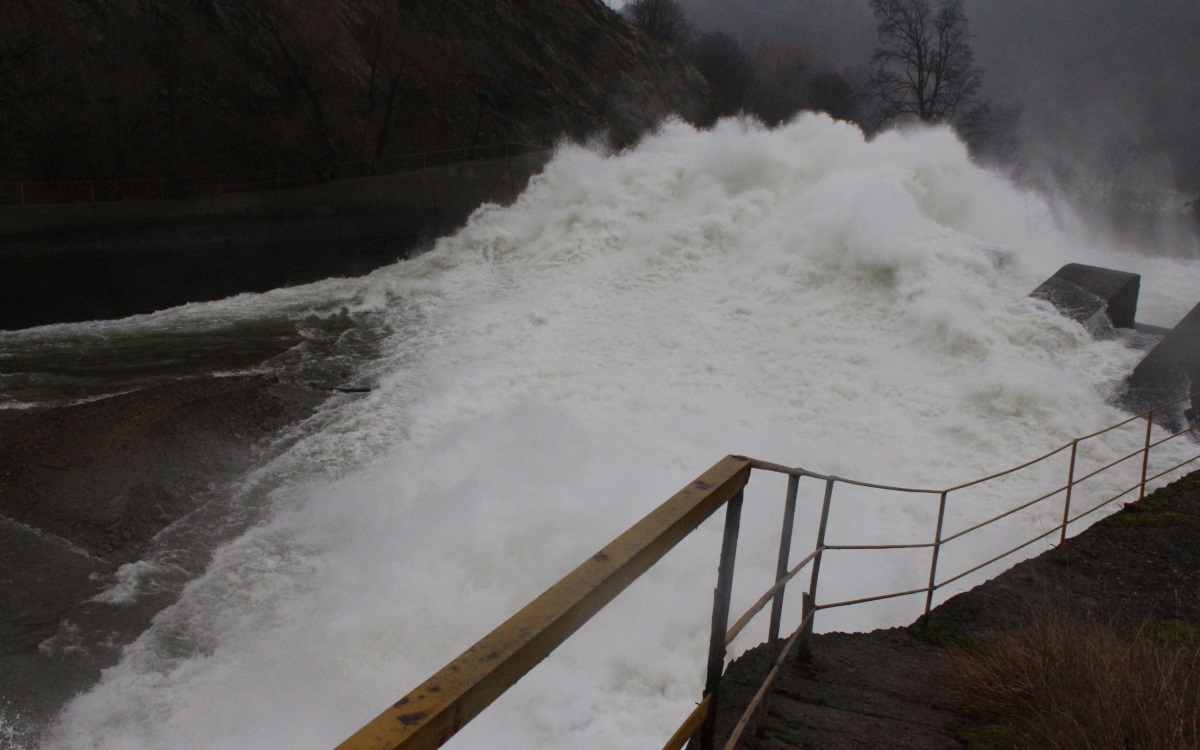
<point>1100,85</point>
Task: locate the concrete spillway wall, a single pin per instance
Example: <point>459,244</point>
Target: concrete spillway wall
<point>109,260</point>
<point>1171,371</point>
<point>1097,298</point>
<point>1102,300</point>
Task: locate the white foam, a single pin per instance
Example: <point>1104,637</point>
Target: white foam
<point>561,366</point>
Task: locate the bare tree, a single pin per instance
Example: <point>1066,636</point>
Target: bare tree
<point>663,20</point>
<point>30,72</point>
<point>924,66</point>
<point>298,43</point>
<point>21,39</point>
<point>387,51</point>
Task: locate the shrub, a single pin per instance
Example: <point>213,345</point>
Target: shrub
<point>1062,683</point>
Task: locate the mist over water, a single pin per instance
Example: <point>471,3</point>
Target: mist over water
<point>312,333</point>
<point>559,367</point>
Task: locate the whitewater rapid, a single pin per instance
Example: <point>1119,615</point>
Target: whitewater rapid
<point>560,366</point>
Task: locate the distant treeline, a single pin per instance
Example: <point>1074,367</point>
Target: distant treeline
<point>771,81</point>
<point>923,69</point>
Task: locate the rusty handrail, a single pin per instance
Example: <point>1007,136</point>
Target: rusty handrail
<point>690,726</point>
<point>443,704</point>
<point>758,704</point>
<point>780,584</point>
<point>432,713</point>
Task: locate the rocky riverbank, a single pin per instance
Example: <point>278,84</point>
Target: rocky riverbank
<point>85,488</point>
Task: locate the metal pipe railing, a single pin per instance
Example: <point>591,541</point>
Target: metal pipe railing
<point>1005,514</point>
<point>782,573</point>
<point>744,620</point>
<point>868,547</point>
<point>443,704</point>
<point>1070,487</point>
<point>761,696</point>
<point>937,548</point>
<point>794,473</point>
<point>439,707</point>
<point>720,618</point>
<point>997,558</point>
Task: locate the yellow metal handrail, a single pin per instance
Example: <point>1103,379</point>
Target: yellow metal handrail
<point>429,715</point>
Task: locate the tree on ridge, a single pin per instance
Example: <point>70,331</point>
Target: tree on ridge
<point>924,66</point>
<point>663,20</point>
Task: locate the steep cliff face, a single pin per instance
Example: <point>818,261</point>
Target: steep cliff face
<point>100,89</point>
<point>528,69</point>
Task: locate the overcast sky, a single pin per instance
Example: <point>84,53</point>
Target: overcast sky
<point>1086,73</point>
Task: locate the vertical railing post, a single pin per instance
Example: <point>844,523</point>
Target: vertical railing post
<point>1146,454</point>
<point>804,642</point>
<point>720,618</point>
<point>804,646</point>
<point>1062,538</point>
<point>785,546</point>
<point>937,549</point>
<point>781,569</point>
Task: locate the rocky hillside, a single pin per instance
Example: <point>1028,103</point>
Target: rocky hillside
<point>101,89</point>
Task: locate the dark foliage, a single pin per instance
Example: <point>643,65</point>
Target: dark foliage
<point>783,75</point>
<point>728,69</point>
<point>831,93</point>
<point>1071,684</point>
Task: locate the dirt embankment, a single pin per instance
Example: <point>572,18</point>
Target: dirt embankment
<point>1136,569</point>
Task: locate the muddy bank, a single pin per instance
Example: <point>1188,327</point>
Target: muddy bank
<point>85,488</point>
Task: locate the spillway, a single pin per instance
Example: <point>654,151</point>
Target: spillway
<point>551,372</point>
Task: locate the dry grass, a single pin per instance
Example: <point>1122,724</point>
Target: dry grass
<point>1067,684</point>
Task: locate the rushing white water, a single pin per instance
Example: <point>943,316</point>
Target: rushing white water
<point>561,366</point>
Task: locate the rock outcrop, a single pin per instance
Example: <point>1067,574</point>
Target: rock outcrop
<point>99,90</point>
